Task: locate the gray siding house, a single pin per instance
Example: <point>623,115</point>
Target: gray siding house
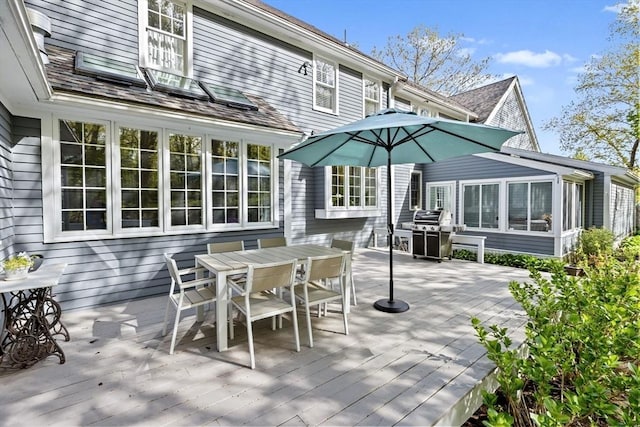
<point>131,128</point>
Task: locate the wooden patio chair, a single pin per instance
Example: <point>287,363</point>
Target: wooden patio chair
<point>347,245</point>
<point>261,296</point>
<point>315,290</point>
<point>272,242</point>
<point>184,295</point>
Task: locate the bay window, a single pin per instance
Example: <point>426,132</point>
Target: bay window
<point>155,181</point>
<point>353,187</point>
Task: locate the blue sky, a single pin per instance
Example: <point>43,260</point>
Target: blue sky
<point>544,42</point>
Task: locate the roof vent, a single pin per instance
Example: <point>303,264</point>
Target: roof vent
<point>41,26</point>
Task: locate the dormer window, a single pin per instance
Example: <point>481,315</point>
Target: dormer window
<point>325,91</point>
<point>165,35</point>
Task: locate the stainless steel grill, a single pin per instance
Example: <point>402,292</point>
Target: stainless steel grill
<point>431,234</point>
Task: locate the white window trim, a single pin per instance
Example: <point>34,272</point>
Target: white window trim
<point>503,205</point>
<point>364,92</point>
<point>142,35</point>
<point>573,228</point>
<point>51,199</point>
<point>420,194</point>
<point>336,110</point>
<point>451,185</point>
<point>333,212</point>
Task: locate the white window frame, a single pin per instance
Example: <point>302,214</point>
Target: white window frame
<point>529,220</point>
<point>143,48</point>
<point>365,82</point>
<point>420,195</point>
<point>503,207</point>
<point>52,205</point>
<point>572,219</point>
<point>452,188</point>
<point>336,212</point>
<point>335,110</point>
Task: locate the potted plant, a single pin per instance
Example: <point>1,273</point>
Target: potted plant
<point>17,266</point>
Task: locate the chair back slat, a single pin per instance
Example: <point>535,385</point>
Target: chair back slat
<point>276,275</point>
<point>345,245</point>
<point>219,247</point>
<point>272,242</point>
<point>173,269</point>
<point>325,267</point>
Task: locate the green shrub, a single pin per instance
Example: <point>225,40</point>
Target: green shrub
<point>630,247</point>
<point>583,352</point>
<point>509,260</point>
<point>596,241</point>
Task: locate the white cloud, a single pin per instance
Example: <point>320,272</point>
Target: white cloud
<point>616,8</point>
<point>530,59</point>
<point>526,81</point>
<point>466,51</point>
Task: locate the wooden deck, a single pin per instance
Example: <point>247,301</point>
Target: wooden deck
<point>414,368</point>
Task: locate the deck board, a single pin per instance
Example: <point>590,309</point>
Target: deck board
<point>408,368</point>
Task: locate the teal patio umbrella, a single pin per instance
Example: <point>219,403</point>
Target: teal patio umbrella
<point>395,137</point>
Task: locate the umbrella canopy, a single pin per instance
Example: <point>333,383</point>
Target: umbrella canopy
<point>396,137</point>
<point>409,138</point>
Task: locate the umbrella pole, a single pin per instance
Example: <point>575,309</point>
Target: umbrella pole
<point>390,305</point>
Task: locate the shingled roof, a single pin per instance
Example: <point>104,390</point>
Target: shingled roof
<point>61,76</point>
<point>484,100</point>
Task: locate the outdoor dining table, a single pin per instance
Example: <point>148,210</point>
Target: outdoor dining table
<point>229,263</point>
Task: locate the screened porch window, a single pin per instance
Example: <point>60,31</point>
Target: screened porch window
<point>572,205</point>
<point>529,206</point>
<point>481,205</point>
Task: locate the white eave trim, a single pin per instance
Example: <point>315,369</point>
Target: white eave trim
<point>534,164</point>
<point>259,19</point>
<point>17,29</point>
<point>74,102</point>
<point>426,97</point>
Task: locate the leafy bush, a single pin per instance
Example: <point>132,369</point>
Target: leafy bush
<point>583,361</point>
<point>630,247</point>
<point>596,241</point>
<point>509,260</point>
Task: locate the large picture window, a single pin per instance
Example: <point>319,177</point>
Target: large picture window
<point>481,205</point>
<point>155,181</point>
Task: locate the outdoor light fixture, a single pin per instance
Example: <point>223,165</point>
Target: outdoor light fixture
<point>303,67</point>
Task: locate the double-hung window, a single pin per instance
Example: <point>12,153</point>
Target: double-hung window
<point>440,195</point>
<point>371,92</point>
<point>325,91</point>
<point>481,205</point>
<point>164,35</point>
<point>415,190</point>
<point>111,180</point>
